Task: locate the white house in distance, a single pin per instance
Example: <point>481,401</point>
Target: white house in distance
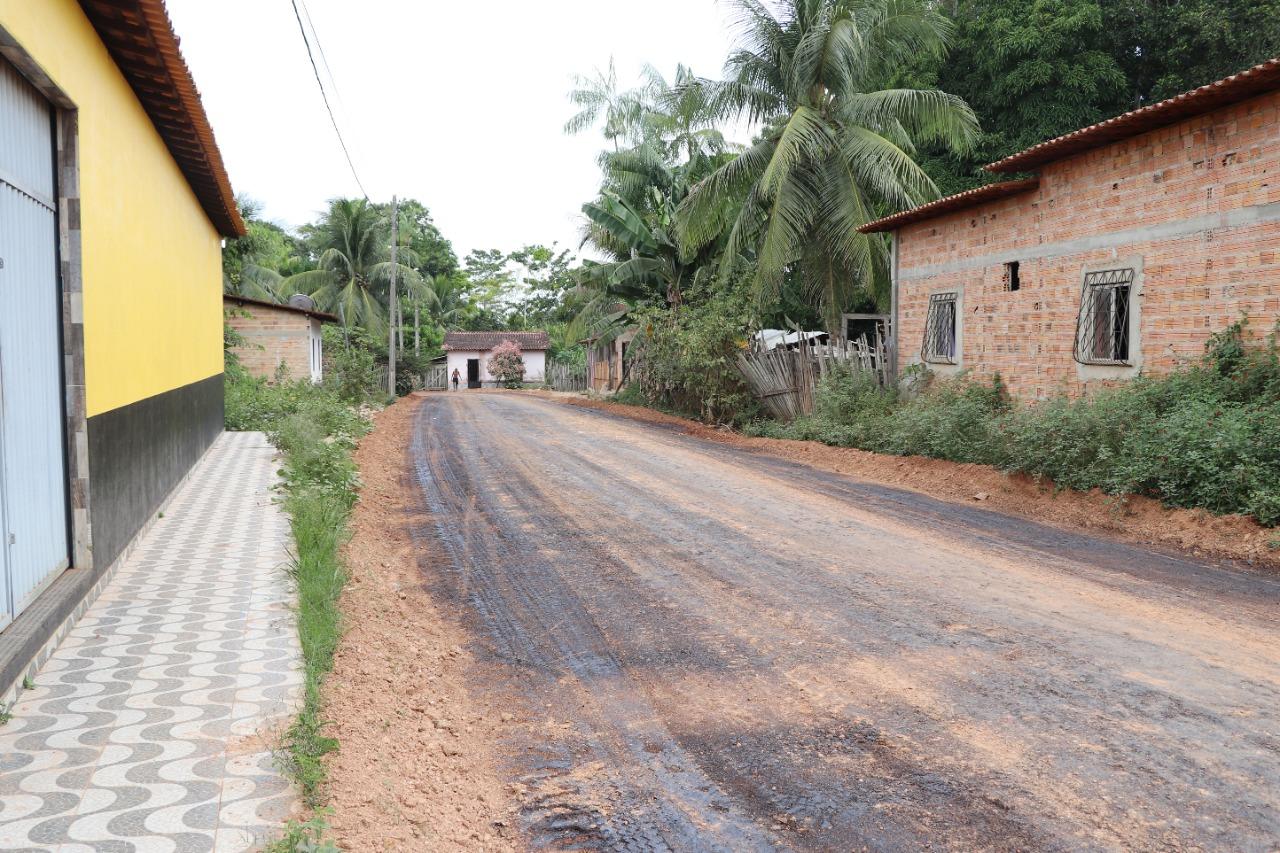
<point>468,353</point>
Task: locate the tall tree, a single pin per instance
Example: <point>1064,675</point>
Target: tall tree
<point>1165,47</point>
<point>434,253</point>
<point>597,97</point>
<point>250,263</point>
<point>352,244</point>
<point>836,147</point>
<point>1036,69</point>
<point>1033,70</point>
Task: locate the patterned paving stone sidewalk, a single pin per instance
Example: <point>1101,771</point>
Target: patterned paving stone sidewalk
<point>153,724</point>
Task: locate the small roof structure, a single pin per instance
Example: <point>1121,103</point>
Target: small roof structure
<point>477,341</point>
<point>774,338</point>
<point>140,38</point>
<point>261,303</point>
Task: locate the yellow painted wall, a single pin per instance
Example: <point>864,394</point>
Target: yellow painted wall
<point>151,258</point>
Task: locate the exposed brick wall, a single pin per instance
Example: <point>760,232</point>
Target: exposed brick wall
<point>273,338</point>
<point>1223,166</point>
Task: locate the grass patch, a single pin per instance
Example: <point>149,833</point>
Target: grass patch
<point>308,836</point>
<point>316,429</point>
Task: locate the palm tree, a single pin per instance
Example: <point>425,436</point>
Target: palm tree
<point>835,147</point>
<point>647,263</point>
<point>245,267</point>
<point>354,267</point>
<point>632,222</point>
<point>677,117</point>
<point>599,96</point>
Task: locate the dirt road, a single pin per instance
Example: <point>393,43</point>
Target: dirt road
<point>704,648</point>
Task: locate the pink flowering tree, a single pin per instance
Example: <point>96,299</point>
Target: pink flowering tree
<point>506,364</point>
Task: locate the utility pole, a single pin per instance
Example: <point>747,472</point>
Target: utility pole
<point>391,337</point>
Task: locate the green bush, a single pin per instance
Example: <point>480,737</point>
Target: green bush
<point>351,365</point>
<point>684,360</point>
<point>255,404</point>
<point>956,420</point>
<point>1202,437</point>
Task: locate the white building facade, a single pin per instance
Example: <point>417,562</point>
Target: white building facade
<point>469,353</point>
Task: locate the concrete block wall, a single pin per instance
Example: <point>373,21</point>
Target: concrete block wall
<point>273,338</point>
<point>1194,206</point>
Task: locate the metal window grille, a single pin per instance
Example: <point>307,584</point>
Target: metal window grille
<point>940,330</point>
<point>1102,327</point>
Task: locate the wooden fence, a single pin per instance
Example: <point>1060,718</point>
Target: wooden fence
<point>567,377</point>
<point>436,378</point>
<point>784,380</point>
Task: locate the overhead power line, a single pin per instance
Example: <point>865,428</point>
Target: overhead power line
<point>306,41</point>
<point>324,60</point>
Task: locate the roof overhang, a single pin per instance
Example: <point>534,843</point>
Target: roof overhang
<point>276,306</point>
<point>140,38</point>
<point>950,204</point>
<point>1238,87</point>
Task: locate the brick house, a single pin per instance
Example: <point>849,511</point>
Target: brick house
<point>1130,243</point>
<point>278,338</point>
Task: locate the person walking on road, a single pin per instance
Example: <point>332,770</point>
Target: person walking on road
<point>456,377</point>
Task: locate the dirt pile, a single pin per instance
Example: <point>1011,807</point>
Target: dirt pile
<point>1132,519</point>
<point>415,769</point>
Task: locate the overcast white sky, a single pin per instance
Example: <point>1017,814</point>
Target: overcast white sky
<point>460,105</point>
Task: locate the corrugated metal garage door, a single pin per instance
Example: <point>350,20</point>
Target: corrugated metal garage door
<point>33,501</point>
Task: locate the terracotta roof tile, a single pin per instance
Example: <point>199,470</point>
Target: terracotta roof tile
<point>959,201</point>
<point>489,340</point>
<point>1238,87</point>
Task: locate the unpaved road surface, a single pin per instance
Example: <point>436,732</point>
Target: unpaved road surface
<point>704,648</point>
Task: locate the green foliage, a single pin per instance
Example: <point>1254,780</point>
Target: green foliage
<point>684,359</point>
<point>433,253</point>
<point>1168,48</point>
<point>231,339</point>
<point>350,368</point>
<point>252,264</point>
<point>836,148</point>
<point>1031,71</point>
<point>304,837</point>
<point>1036,69</point>
<point>256,404</point>
<point>315,428</point>
<point>351,244</point>
<point>1201,437</point>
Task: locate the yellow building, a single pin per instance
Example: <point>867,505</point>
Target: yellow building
<point>113,206</point>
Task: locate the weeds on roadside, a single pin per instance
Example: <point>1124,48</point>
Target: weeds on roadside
<point>304,837</point>
<point>1201,437</point>
<point>316,429</point>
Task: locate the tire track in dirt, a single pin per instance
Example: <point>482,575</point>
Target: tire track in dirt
<point>600,783</point>
<point>719,684</point>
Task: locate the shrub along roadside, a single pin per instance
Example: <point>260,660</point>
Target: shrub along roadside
<point>1202,437</point>
<point>315,428</point>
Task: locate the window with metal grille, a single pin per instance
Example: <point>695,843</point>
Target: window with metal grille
<point>940,330</point>
<point>1102,328</point>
